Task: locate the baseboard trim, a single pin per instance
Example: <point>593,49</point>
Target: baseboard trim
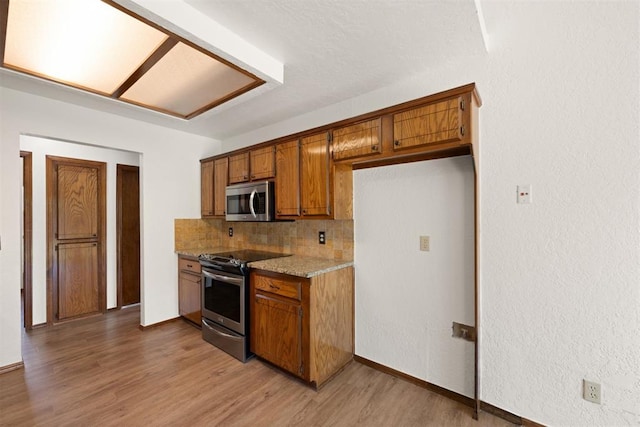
<point>493,410</point>
<point>12,367</point>
<point>155,325</point>
<point>420,383</point>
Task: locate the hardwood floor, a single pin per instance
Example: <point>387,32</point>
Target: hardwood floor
<point>105,371</point>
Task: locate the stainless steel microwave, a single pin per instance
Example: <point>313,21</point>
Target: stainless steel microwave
<point>251,201</point>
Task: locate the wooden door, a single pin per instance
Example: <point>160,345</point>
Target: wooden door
<point>76,224</point>
<point>220,181</point>
<point>288,179</point>
<point>314,170</point>
<point>277,333</point>
<point>128,234</point>
<point>239,168</point>
<point>206,189</point>
<point>262,163</point>
<point>189,297</point>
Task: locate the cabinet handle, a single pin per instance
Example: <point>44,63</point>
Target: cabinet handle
<point>253,176</point>
<point>189,265</point>
<point>304,211</point>
<point>374,148</point>
<point>462,130</point>
<point>272,286</point>
<point>279,211</point>
<point>396,143</point>
<point>245,177</point>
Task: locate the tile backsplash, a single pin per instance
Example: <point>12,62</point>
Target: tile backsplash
<point>295,237</point>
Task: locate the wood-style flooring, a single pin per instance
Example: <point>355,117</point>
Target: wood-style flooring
<point>105,371</point>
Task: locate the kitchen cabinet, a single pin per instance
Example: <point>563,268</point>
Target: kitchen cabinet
<point>220,182</point>
<point>358,140</point>
<point>303,325</point>
<point>189,292</point>
<point>206,188</point>
<point>434,123</point>
<point>315,197</point>
<point>239,168</point>
<point>262,163</point>
<point>288,179</point>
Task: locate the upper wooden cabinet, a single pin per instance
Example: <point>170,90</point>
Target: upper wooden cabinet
<point>288,179</point>
<point>262,163</point>
<point>220,181</point>
<point>206,188</point>
<point>358,140</point>
<point>315,183</point>
<point>435,123</point>
<point>239,168</point>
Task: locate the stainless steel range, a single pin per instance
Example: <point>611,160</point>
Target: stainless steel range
<point>225,302</point>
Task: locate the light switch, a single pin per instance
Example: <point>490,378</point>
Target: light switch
<point>524,194</point>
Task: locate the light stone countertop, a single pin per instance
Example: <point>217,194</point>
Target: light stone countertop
<point>300,266</point>
<point>293,265</point>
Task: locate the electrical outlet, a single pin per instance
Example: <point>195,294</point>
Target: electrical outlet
<point>230,231</point>
<point>424,243</point>
<point>525,196</point>
<point>591,391</point>
<point>321,238</point>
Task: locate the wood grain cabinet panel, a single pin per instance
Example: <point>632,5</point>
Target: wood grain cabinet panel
<point>206,188</point>
<point>239,168</point>
<point>434,123</point>
<point>189,289</point>
<point>77,284</point>
<point>77,202</point>
<point>357,140</point>
<point>304,326</point>
<point>220,182</point>
<point>263,163</point>
<point>315,175</point>
<point>288,179</point>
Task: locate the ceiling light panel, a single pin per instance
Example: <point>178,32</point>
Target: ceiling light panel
<point>85,43</point>
<point>186,81</point>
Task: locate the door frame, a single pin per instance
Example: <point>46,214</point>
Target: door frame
<point>119,235</point>
<point>27,204</point>
<point>52,218</point>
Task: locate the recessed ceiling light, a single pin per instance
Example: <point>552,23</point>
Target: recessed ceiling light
<point>102,48</point>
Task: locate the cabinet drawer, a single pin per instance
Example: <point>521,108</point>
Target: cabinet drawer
<point>194,278</point>
<point>279,286</point>
<point>189,265</point>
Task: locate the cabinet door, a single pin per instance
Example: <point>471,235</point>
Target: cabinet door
<point>358,140</point>
<point>263,164</point>
<point>288,179</point>
<point>314,172</point>
<point>190,305</point>
<point>239,168</point>
<point>277,336</point>
<point>206,188</point>
<point>220,181</point>
<point>432,124</point>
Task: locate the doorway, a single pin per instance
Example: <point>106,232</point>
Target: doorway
<point>76,238</point>
<point>128,234</point>
<point>27,233</point>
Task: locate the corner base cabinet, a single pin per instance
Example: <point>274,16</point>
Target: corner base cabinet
<point>303,325</point>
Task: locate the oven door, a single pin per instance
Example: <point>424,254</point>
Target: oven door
<point>223,299</point>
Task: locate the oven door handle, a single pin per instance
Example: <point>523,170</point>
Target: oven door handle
<point>221,278</point>
<point>253,195</point>
<point>212,328</point>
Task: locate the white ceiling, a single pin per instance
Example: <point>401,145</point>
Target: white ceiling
<point>332,50</point>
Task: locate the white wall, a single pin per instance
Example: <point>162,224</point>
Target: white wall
<point>560,294</point>
<point>169,180</point>
<point>406,299</point>
<point>40,148</point>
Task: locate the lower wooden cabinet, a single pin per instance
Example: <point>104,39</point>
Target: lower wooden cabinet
<point>304,326</point>
<point>189,292</point>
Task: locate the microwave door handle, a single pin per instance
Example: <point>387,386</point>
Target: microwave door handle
<point>253,196</point>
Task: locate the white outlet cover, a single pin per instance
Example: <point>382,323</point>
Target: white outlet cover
<point>524,194</point>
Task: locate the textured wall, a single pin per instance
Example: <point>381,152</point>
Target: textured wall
<point>406,299</point>
<point>297,237</point>
<point>560,292</point>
